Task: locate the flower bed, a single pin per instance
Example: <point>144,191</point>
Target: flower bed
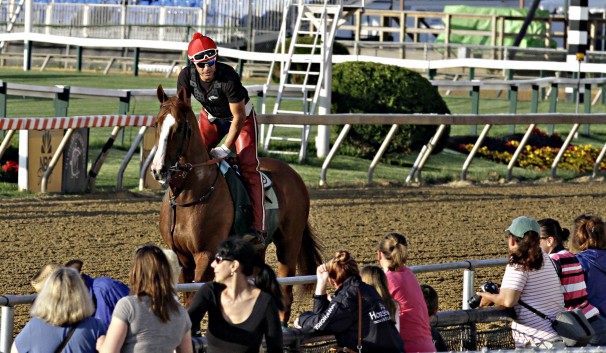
<point>9,171</point>
<point>538,154</point>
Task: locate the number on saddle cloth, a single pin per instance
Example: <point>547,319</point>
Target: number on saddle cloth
<point>243,216</point>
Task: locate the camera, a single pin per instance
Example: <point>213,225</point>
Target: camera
<point>488,287</point>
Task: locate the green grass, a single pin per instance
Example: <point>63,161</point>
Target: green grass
<point>344,170</point>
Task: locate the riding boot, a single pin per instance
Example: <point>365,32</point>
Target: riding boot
<point>257,239</point>
<point>246,147</point>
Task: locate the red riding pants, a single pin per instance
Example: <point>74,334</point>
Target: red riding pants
<point>246,148</point>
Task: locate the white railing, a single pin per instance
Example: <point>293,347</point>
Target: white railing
<point>8,302</point>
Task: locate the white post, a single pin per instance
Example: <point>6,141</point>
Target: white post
<point>28,29</point>
<point>162,23</point>
<point>468,287</point>
<point>48,18</point>
<point>6,328</point>
<point>85,20</point>
<point>323,139</point>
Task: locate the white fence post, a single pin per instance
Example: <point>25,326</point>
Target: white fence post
<point>468,287</point>
<point>6,328</point>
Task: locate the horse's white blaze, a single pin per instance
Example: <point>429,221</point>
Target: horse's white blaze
<point>167,125</point>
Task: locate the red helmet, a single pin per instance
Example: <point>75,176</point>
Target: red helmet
<point>201,48</point>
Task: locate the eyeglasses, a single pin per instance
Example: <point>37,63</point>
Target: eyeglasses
<point>220,258</point>
<point>208,63</point>
<point>203,55</point>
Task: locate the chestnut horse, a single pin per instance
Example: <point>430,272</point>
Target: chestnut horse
<point>197,211</point>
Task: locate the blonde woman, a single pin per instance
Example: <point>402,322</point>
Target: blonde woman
<point>61,316</point>
<point>374,276</point>
<point>150,319</point>
<point>405,289</point>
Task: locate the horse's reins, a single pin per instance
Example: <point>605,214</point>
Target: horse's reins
<point>185,168</point>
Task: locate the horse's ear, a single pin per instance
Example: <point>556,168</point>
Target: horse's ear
<point>182,94</point>
<point>162,97</point>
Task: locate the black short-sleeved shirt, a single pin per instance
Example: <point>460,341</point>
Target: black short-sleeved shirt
<point>214,96</point>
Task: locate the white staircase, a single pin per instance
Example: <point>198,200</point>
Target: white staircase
<point>15,15</point>
<point>302,76</point>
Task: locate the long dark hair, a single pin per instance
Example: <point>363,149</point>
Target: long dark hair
<point>528,255</point>
<point>150,276</point>
<point>251,263</point>
<point>551,228</point>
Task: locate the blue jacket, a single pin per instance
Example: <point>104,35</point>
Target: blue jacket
<point>593,262</point>
<point>105,293</point>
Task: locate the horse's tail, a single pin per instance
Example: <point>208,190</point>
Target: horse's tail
<point>310,256</point>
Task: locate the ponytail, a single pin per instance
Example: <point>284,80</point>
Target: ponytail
<point>267,281</point>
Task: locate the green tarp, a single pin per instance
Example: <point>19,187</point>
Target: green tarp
<point>512,27</point>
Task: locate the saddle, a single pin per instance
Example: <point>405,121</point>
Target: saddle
<point>243,216</point>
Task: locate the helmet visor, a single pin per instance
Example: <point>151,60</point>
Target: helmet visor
<point>203,55</point>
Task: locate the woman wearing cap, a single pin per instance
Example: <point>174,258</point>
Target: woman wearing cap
<point>530,277</point>
<point>61,316</point>
<point>239,313</point>
<point>571,276</point>
<point>589,245</point>
<point>226,110</point>
<point>404,287</point>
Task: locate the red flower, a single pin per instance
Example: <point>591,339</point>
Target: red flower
<point>10,165</point>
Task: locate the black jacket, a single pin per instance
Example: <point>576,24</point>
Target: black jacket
<point>340,317</point>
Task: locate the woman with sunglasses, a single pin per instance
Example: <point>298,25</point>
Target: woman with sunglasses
<point>239,313</point>
<point>150,319</point>
<point>226,110</point>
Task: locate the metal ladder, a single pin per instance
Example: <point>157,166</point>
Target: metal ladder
<point>319,22</point>
<point>13,19</point>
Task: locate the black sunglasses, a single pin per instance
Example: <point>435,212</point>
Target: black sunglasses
<point>208,63</point>
<point>203,55</point>
<point>220,258</point>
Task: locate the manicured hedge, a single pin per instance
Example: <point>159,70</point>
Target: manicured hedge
<point>367,87</point>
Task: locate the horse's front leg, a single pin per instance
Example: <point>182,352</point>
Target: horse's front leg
<point>187,276</point>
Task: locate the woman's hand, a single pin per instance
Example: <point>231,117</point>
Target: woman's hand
<point>487,299</point>
<point>322,278</point>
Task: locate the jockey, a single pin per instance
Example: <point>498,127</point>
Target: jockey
<point>226,112</point>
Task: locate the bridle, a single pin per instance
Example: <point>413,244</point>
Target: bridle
<point>179,171</point>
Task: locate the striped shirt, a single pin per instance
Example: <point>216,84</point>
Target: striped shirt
<point>540,289</point>
<point>573,282</point>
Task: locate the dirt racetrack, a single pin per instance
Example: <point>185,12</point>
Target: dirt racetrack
<point>442,224</point>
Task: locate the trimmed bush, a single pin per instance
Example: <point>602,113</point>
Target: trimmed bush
<point>366,87</point>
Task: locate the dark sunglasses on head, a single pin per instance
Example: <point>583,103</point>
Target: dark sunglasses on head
<point>220,258</point>
<point>203,55</point>
<point>206,63</point>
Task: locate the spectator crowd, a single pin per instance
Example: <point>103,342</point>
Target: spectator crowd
<point>376,308</point>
